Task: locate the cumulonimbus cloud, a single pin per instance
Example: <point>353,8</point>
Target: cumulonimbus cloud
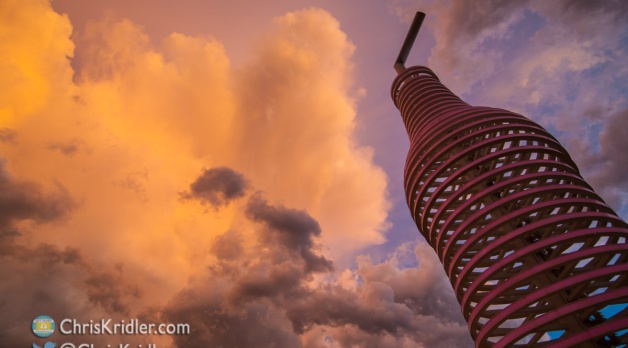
<point>96,160</point>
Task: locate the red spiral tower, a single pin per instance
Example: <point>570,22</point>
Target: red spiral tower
<point>535,256</point>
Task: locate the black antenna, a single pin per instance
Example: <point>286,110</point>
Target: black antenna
<point>409,41</point>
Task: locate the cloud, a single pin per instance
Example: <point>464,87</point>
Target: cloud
<point>255,325</point>
<point>293,230</point>
<point>476,42</point>
<point>217,186</point>
<point>41,277</point>
<point>585,17</point>
<point>395,306</point>
<point>31,61</point>
<point>61,283</point>
<point>24,200</point>
<point>275,300</point>
<point>108,290</point>
<point>298,113</point>
<point>607,164</point>
<point>228,246</point>
<point>270,282</point>
<point>238,302</point>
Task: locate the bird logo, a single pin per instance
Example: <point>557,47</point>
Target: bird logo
<point>46,345</point>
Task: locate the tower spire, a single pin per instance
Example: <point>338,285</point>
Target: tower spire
<point>408,42</point>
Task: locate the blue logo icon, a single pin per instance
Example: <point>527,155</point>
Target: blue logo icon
<point>46,345</point>
<point>43,326</point>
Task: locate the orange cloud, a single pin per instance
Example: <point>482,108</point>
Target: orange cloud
<point>125,136</point>
<point>159,182</point>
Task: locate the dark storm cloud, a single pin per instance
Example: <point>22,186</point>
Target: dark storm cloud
<point>297,226</point>
<point>258,324</point>
<point>107,289</point>
<point>273,303</point>
<point>44,278</point>
<point>262,295</point>
<point>375,312</point>
<point>293,229</point>
<point>413,303</point>
<point>23,200</point>
<point>288,257</point>
<point>242,301</point>
<point>61,283</point>
<point>45,254</point>
<point>267,281</point>
<point>8,136</point>
<point>32,281</point>
<point>217,186</point>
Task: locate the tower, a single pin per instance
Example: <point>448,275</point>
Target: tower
<point>535,256</point>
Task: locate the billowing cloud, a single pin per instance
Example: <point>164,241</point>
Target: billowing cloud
<point>276,296</point>
<point>298,114</point>
<point>275,301</point>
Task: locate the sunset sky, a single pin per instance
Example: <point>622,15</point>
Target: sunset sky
<point>237,165</point>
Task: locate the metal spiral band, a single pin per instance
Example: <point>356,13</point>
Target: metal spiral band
<point>535,256</point>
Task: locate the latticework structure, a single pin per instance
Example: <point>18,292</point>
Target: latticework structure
<point>535,256</point>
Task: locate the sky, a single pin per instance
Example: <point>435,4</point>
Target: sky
<point>238,165</point>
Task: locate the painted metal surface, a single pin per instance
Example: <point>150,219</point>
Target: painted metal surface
<point>535,256</point>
